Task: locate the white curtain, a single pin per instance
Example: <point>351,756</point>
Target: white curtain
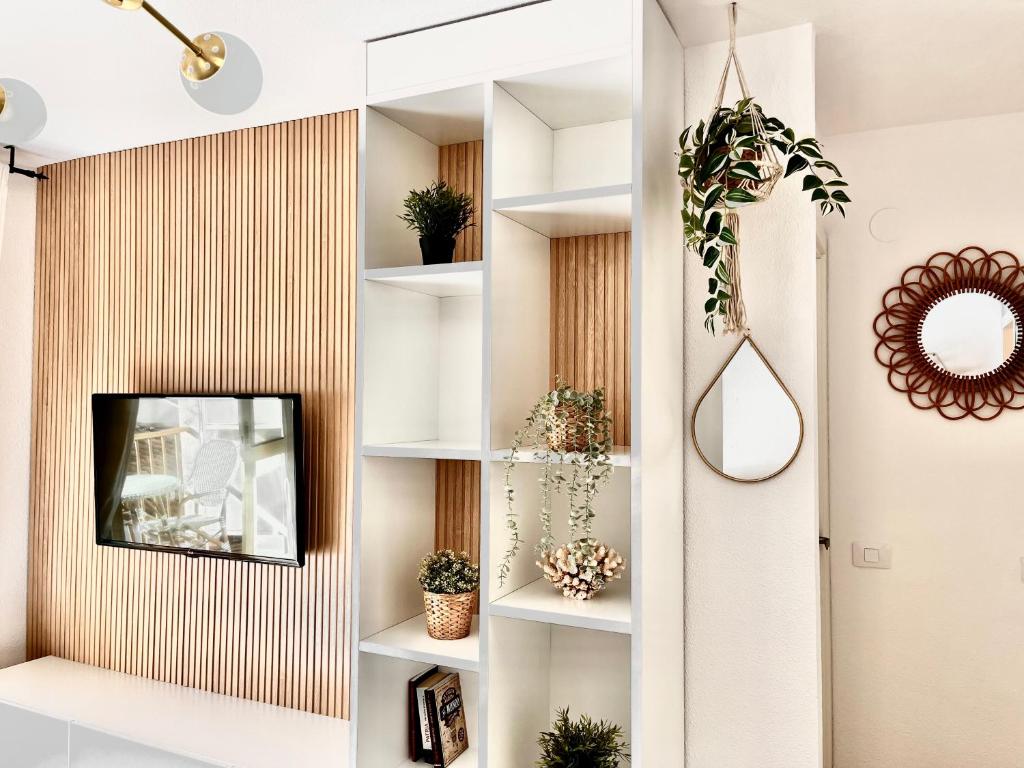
<point>5,176</point>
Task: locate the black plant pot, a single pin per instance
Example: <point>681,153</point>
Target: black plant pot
<point>437,250</point>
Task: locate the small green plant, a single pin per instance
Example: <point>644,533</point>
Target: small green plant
<point>582,744</point>
<point>722,164</point>
<point>554,437</point>
<point>438,212</point>
<point>449,573</point>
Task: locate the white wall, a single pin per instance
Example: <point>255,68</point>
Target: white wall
<point>17,257</point>
<point>752,651</point>
<point>928,660</point>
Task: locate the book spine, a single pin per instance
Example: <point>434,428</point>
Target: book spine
<point>421,702</point>
<point>435,729</point>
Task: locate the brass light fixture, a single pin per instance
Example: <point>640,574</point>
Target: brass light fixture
<point>22,112</point>
<point>220,72</point>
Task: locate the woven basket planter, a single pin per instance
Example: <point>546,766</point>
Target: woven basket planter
<point>449,617</point>
<point>567,432</point>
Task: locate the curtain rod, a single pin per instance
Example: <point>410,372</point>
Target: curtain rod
<point>21,171</point>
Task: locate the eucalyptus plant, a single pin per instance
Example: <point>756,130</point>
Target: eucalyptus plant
<point>579,474</point>
<point>721,164</point>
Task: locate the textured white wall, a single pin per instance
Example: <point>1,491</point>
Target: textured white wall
<point>752,650</point>
<point>928,661</point>
<point>17,257</point>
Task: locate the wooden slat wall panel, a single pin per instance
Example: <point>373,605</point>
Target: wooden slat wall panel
<point>457,509</point>
<point>224,263</point>
<point>590,348</point>
<point>461,166</point>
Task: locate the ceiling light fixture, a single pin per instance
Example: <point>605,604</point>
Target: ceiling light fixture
<point>219,71</point>
<point>22,112</point>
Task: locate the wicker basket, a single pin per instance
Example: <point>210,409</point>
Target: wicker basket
<point>567,432</point>
<point>449,617</point>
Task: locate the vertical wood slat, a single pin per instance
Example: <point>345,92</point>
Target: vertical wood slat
<point>461,167</point>
<point>225,263</point>
<point>457,507</point>
<point>589,309</point>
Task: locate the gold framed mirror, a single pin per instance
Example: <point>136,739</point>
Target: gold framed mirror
<point>747,426</point>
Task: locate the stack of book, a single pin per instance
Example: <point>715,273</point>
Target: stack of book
<point>437,718</point>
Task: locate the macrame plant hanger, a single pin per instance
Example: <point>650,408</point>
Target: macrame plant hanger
<point>769,169</point>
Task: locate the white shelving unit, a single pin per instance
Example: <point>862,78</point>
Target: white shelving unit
<point>452,357</point>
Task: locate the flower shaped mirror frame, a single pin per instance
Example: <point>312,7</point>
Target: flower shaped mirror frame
<point>908,323</point>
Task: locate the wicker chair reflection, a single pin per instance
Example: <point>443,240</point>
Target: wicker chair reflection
<point>207,490</point>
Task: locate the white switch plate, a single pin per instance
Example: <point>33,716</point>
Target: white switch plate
<point>872,555</point>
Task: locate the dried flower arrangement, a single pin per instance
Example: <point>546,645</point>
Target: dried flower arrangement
<point>450,581</point>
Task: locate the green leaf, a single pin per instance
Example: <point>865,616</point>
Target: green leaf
<point>836,183</point>
<point>712,196</point>
<point>796,163</point>
<point>819,194</point>
<point>712,285</point>
<point>721,273</point>
<point>683,137</point>
<point>841,196</point>
<point>810,151</point>
<point>736,198</point>
<point>710,304</point>
<point>723,296</point>
<point>745,170</point>
<point>826,164</point>
<point>727,236</point>
<point>812,182</point>
<point>714,223</point>
<point>789,135</point>
<point>711,255</point>
<point>715,165</point>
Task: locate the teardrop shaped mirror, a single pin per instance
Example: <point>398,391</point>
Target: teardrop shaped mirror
<point>747,426</point>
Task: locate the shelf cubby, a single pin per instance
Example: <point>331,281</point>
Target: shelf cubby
<point>409,640</point>
<point>537,669</point>
<point>591,211</point>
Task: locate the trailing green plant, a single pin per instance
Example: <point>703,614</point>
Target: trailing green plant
<point>548,432</point>
<point>438,211</point>
<point>582,744</point>
<point>449,573</point>
<point>722,164</point>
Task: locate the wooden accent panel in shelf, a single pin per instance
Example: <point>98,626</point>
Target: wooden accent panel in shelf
<point>219,264</point>
<point>590,306</point>
<point>457,512</point>
<point>461,166</point>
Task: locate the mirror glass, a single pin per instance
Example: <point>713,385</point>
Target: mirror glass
<point>747,426</point>
<point>969,334</point>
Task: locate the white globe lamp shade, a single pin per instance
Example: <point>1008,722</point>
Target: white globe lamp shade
<point>232,87</point>
<point>23,114</point>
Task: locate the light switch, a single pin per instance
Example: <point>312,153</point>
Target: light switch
<point>872,555</point>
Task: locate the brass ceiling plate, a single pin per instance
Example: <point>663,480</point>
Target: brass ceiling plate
<point>196,68</point>
<point>127,5</point>
<point>3,99</point>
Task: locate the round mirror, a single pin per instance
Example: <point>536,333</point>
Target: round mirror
<point>969,334</point>
<point>747,426</point>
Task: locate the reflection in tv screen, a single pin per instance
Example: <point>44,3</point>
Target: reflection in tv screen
<point>208,475</point>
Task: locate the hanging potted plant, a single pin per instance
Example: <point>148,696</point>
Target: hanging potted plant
<point>571,429</point>
<point>733,159</point>
<point>450,582</point>
<point>438,213</point>
<point>582,744</point>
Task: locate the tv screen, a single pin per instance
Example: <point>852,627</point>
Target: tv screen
<point>211,475</point>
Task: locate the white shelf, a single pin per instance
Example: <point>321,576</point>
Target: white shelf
<point>619,456</point>
<point>467,759</point>
<point>426,449</point>
<point>409,640</point>
<point>464,278</point>
<point>610,611</point>
<point>593,211</point>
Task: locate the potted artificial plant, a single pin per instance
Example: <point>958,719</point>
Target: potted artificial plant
<point>582,744</point>
<point>566,428</point>
<point>450,582</point>
<point>438,213</point>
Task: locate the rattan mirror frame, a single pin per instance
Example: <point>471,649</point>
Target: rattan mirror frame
<point>898,327</point>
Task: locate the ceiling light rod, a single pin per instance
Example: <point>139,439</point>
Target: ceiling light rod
<point>22,171</point>
<point>173,30</point>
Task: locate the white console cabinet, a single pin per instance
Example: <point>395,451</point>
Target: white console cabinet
<point>60,714</point>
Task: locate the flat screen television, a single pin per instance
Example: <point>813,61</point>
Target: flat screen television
<point>201,475</point>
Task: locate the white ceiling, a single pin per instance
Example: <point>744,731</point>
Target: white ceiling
<point>110,81</point>
<point>883,63</point>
